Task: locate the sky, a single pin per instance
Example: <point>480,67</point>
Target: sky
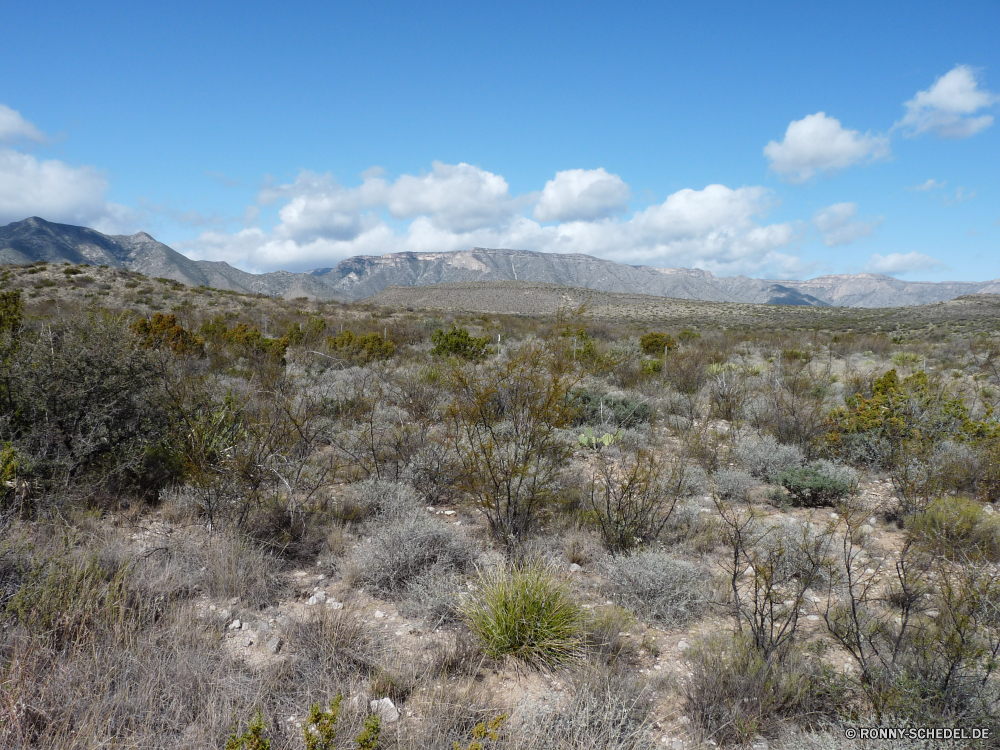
<point>777,140</point>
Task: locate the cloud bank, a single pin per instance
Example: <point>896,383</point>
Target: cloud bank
<point>838,226</point>
<point>900,263</point>
<point>458,206</point>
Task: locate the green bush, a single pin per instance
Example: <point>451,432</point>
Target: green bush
<point>657,343</point>
<point>458,343</point>
<point>811,487</point>
<point>361,350</point>
<point>956,528</point>
<point>525,612</point>
<point>620,411</point>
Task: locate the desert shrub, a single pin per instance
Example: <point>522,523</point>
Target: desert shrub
<point>336,644</point>
<point>817,484</point>
<point>619,411</point>
<point>657,342</point>
<point>82,403</point>
<point>632,496</point>
<point>526,612</point>
<point>164,332</point>
<point>604,632</point>
<point>408,547</point>
<point>505,424</point>
<point>733,485</point>
<point>656,587</point>
<point>433,596</point>
<point>607,709</point>
<point>361,350</point>
<point>457,342</point>
<point>243,340</point>
<point>956,528</point>
<point>765,457</point>
<point>737,693</point>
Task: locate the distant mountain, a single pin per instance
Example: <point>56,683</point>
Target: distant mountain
<point>363,276</point>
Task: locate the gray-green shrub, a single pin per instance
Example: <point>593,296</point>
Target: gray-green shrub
<point>655,586</point>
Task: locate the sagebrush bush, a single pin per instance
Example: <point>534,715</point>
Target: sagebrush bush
<point>607,709</point>
<point>655,586</point>
<point>734,485</point>
<point>407,547</point>
<point>526,612</point>
<point>817,484</point>
<point>765,457</point>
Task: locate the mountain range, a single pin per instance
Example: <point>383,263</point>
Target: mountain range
<point>359,277</point>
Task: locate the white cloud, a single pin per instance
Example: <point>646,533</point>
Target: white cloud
<point>929,185</point>
<point>57,192</point>
<point>582,195</point>
<point>948,108</point>
<point>14,128</point>
<point>900,263</point>
<point>459,197</point>
<point>838,225</point>
<point>717,228</point>
<point>818,143</point>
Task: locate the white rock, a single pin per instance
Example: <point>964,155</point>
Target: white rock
<point>385,710</point>
<point>449,512</point>
<point>988,510</point>
<point>872,521</point>
<point>379,614</point>
<point>273,645</point>
<point>335,605</point>
<point>683,645</point>
<point>318,598</point>
<point>235,625</point>
<point>812,618</point>
<point>574,568</point>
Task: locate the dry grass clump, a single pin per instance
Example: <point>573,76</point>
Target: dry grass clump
<point>737,693</point>
<point>656,586</point>
<point>606,709</point>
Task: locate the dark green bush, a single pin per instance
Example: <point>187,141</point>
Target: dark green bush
<point>458,343</point>
<point>810,487</point>
<point>619,411</point>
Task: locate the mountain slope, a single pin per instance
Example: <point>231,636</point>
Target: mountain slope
<point>363,276</point>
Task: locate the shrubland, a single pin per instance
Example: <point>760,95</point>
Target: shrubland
<point>266,523</point>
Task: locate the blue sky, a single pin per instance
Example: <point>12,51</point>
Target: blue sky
<point>771,139</point>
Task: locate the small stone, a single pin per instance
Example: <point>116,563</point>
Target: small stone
<point>866,530</point>
<point>318,598</point>
<point>574,568</point>
<point>248,642</point>
<point>379,614</point>
<point>988,510</point>
<point>683,645</point>
<point>430,509</point>
<point>335,605</point>
<point>235,625</point>
<point>225,614</point>
<point>872,521</point>
<point>812,618</point>
<point>245,626</point>
<point>273,645</point>
<point>759,743</point>
<point>449,512</point>
<point>385,709</point>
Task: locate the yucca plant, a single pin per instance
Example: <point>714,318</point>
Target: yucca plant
<point>524,611</point>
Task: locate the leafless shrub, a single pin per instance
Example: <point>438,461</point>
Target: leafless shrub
<point>765,457</point>
<point>656,586</point>
<point>733,485</point>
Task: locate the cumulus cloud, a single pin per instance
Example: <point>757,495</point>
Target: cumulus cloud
<point>839,226</point>
<point>582,195</point>
<point>14,128</point>
<point>900,263</point>
<point>455,207</point>
<point>50,188</point>
<point>949,108</point>
<point>818,143</point>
